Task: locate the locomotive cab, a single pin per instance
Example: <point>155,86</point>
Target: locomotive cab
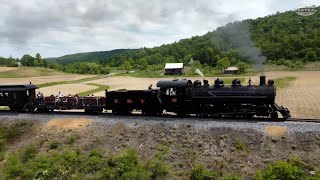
<point>174,95</point>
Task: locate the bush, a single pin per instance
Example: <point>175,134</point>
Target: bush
<point>240,145</point>
<point>200,173</point>
<point>280,170</point>
<point>29,153</point>
<point>54,144</point>
<point>93,163</point>
<point>72,139</point>
<point>125,166</point>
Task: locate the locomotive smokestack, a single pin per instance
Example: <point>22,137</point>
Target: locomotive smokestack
<point>262,80</point>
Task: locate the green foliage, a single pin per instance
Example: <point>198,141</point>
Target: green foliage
<point>72,139</point>
<point>280,170</point>
<point>69,163</point>
<point>36,61</point>
<point>93,163</point>
<point>126,66</point>
<point>200,173</point>
<point>88,57</point>
<point>239,145</point>
<point>54,144</point>
<point>84,68</point>
<point>29,153</point>
<point>243,67</point>
<point>223,63</point>
<point>293,168</point>
<point>10,62</point>
<point>13,167</point>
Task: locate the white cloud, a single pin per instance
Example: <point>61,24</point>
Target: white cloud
<point>58,27</point>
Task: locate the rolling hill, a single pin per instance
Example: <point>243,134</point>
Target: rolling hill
<point>279,38</point>
<point>87,56</point>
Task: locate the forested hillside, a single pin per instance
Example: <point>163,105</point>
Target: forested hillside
<point>88,56</point>
<point>281,37</point>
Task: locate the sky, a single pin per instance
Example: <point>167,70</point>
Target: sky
<point>55,28</point>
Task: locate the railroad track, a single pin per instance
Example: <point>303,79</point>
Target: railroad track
<point>164,117</point>
<point>303,120</point>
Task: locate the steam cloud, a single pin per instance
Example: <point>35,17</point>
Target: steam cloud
<point>239,37</point>
<point>199,72</point>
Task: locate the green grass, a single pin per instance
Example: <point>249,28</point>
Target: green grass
<point>98,89</point>
<point>29,72</point>
<point>283,82</point>
<point>68,82</point>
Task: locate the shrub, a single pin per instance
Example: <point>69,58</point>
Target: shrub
<point>29,153</point>
<point>13,167</point>
<point>2,142</point>
<point>94,162</point>
<point>124,166</point>
<point>200,173</point>
<point>72,139</point>
<point>240,145</point>
<point>54,144</point>
<point>280,170</point>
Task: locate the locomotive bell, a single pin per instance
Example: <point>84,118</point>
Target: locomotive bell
<point>262,81</point>
<point>270,82</point>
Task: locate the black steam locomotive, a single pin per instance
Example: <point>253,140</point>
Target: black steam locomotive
<point>185,97</point>
<point>182,97</point>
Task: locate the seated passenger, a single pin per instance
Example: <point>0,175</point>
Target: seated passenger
<point>38,95</point>
<point>59,94</point>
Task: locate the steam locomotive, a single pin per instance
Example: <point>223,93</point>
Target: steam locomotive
<point>180,96</point>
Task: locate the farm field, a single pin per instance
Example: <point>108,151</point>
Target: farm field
<point>10,75</point>
<point>3,69</point>
<point>66,89</point>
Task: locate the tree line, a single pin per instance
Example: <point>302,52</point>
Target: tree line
<point>38,61</point>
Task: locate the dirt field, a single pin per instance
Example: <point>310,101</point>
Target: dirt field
<point>3,69</point>
<point>66,89</point>
<point>302,96</point>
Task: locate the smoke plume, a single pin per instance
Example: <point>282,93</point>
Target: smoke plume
<point>199,72</point>
<point>237,36</point>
